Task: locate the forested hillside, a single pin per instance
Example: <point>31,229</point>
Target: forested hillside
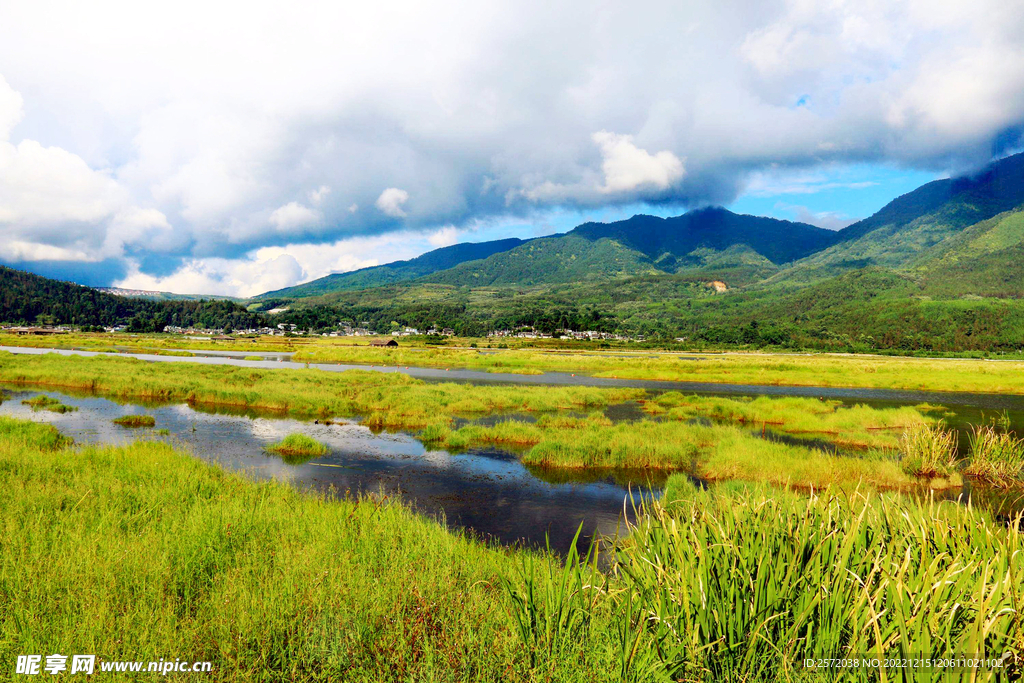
<point>31,299</point>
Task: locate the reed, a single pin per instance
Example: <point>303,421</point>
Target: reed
<point>747,585</point>
<point>997,458</point>
<point>928,451</point>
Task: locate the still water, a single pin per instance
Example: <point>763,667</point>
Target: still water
<point>487,492</point>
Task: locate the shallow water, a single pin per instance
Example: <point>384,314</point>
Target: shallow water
<point>489,492</point>
<point>992,403</point>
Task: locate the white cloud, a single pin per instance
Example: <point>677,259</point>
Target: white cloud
<point>270,268</point>
<point>294,215</point>
<point>391,201</point>
<point>626,167</point>
<point>227,114</point>
<point>830,220</point>
<point>53,206</point>
<point>445,237</point>
<point>11,111</point>
<point>317,196</point>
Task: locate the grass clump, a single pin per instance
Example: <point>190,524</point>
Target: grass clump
<point>928,451</point>
<point>746,585</point>
<point>254,358</point>
<point>43,402</point>
<point>997,458</point>
<point>298,447</point>
<point>135,421</point>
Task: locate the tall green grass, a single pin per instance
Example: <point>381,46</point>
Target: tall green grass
<point>746,586</point>
<point>142,553</point>
<point>997,458</point>
<point>928,451</point>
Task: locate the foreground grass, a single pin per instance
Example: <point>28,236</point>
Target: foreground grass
<point>166,556</point>
<point>144,553</point>
<point>729,582</point>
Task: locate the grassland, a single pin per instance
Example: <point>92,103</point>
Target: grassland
<point>734,368</point>
<point>557,440</point>
<point>167,556</point>
<point>777,369</point>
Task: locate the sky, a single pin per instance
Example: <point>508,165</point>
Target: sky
<point>234,148</point>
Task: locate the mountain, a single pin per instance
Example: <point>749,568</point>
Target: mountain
<point>669,241</point>
<point>162,296</point>
<point>706,240</point>
<point>26,298</point>
<point>397,271</point>
<point>898,234</point>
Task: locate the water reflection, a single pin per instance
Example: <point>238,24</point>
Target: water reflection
<point>489,492</point>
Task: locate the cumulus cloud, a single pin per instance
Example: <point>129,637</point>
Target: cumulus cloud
<point>390,202</point>
<point>11,108</point>
<point>445,237</point>
<point>214,141</point>
<point>294,215</point>
<point>270,268</point>
<point>626,167</point>
<point>54,207</point>
<point>317,196</point>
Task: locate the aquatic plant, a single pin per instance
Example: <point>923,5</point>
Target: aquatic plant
<point>997,458</point>
<point>135,421</point>
<point>298,447</point>
<point>928,451</point>
<point>48,403</point>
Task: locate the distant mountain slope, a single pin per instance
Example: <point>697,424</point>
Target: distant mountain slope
<point>548,260</point>
<point>397,271</point>
<point>705,240</point>
<point>713,229</point>
<point>29,298</point>
<point>163,296</point>
<point>985,259</point>
<point>896,235</point>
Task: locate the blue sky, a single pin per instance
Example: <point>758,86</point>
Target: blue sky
<point>237,147</point>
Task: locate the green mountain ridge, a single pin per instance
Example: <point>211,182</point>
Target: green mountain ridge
<point>396,271</point>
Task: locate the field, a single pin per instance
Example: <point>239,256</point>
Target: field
<point>562,436</point>
<point>165,554</point>
<point>623,362</point>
